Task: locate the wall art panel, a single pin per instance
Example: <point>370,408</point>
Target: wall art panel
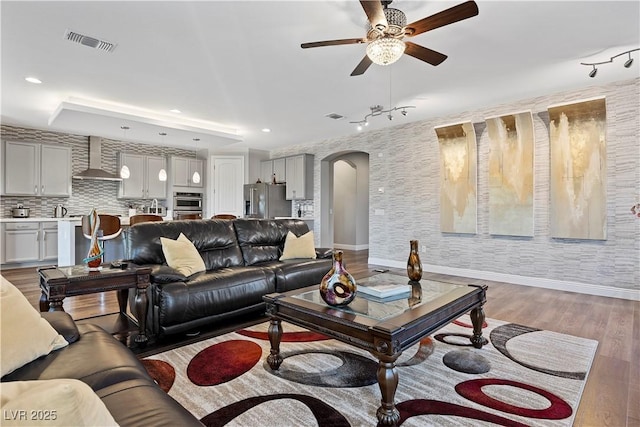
<point>458,168</point>
<point>578,170</point>
<point>511,174</point>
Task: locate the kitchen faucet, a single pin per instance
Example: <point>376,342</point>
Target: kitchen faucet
<point>151,207</point>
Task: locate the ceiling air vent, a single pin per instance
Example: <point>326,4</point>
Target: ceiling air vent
<point>334,116</point>
<point>89,41</point>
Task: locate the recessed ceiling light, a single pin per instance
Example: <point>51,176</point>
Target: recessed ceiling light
<point>175,110</point>
<point>33,80</point>
<point>266,130</point>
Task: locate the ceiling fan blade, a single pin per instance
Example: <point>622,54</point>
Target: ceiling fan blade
<point>332,43</point>
<point>362,66</point>
<point>375,14</point>
<point>440,19</point>
<point>424,54</point>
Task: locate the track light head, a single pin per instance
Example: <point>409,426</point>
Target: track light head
<point>593,72</point>
<point>628,62</point>
<point>404,112</point>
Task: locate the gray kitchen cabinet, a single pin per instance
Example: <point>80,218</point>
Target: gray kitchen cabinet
<point>32,169</point>
<point>143,183</point>
<point>299,177</point>
<point>182,170</point>
<point>49,241</point>
<point>269,167</point>
<point>29,242</point>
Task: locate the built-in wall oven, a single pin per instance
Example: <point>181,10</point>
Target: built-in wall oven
<point>187,204</point>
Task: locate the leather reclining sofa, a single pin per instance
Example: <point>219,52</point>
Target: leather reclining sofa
<point>241,257</point>
<point>112,371</point>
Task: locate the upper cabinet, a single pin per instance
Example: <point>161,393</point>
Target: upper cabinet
<point>270,167</point>
<point>144,181</point>
<point>299,177</point>
<point>32,169</point>
<point>183,169</point>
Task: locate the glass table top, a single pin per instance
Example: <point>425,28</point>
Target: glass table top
<point>379,309</point>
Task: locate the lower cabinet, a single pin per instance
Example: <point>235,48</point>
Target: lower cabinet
<point>29,242</point>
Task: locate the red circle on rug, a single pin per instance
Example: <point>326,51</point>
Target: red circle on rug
<point>472,390</point>
<point>302,336</point>
<point>162,372</point>
<point>223,362</point>
<point>468,325</point>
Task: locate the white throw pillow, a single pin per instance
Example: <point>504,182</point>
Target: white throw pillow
<point>298,247</point>
<point>59,402</point>
<point>24,334</point>
<point>182,255</point>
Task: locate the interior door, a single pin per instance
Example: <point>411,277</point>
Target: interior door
<point>227,185</point>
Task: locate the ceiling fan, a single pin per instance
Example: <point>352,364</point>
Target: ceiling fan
<point>388,27</point>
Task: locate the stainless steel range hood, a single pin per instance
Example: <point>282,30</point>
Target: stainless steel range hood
<point>95,170</point>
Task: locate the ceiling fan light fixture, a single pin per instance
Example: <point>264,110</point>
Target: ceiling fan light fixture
<point>385,50</point>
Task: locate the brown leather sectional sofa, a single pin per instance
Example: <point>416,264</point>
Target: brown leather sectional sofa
<point>241,260</point>
<point>114,373</point>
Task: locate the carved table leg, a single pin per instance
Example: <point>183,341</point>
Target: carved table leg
<point>123,296</point>
<point>275,335</point>
<point>44,302</point>
<point>141,307</point>
<point>477,319</point>
<point>387,375</point>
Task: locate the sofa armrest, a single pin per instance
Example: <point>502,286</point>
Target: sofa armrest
<point>324,253</point>
<point>165,274</point>
<point>63,323</point>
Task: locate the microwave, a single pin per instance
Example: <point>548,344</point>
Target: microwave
<point>187,201</point>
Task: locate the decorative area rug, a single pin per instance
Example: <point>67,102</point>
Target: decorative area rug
<point>522,377</point>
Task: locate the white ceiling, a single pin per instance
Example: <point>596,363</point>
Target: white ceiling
<point>235,67</point>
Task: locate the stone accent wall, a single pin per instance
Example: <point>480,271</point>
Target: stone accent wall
<point>409,172</point>
<point>86,194</point>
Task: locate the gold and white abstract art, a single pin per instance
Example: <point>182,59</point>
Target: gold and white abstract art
<point>458,186</point>
<point>578,168</point>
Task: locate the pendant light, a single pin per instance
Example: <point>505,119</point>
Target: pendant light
<point>196,175</point>
<point>162,175</point>
<point>125,173</point>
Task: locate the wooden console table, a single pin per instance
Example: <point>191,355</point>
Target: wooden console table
<point>57,283</point>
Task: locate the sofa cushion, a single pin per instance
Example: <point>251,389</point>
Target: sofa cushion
<point>25,336</point>
<point>299,273</point>
<point>298,247</point>
<point>182,255</point>
<point>59,402</point>
<point>262,240</point>
<point>96,359</point>
<point>212,293</point>
<point>215,240</point>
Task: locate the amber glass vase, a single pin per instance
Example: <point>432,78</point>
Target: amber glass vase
<point>414,267</point>
<point>338,287</point>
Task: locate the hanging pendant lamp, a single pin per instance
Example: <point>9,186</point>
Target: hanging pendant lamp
<point>125,173</point>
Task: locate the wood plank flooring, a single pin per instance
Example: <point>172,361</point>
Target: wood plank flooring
<point>612,394</point>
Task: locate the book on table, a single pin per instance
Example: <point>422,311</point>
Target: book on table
<point>386,290</point>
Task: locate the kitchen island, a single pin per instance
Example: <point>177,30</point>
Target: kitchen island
<point>57,241</point>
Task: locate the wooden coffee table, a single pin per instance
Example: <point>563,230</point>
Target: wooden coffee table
<point>384,328</point>
<point>57,283</point>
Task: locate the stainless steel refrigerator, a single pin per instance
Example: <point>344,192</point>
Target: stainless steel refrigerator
<point>266,201</point>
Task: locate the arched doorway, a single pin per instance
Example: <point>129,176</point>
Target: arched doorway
<point>344,197</point>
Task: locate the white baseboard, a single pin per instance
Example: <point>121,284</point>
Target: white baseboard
<point>350,247</point>
<point>560,285</point>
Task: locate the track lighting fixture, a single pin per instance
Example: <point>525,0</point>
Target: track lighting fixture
<point>378,110</point>
<point>626,64</point>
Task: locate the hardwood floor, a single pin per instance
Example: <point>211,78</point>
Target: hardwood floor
<point>612,392</point>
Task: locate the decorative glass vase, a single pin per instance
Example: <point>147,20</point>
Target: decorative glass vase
<point>414,267</point>
<point>338,287</point>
